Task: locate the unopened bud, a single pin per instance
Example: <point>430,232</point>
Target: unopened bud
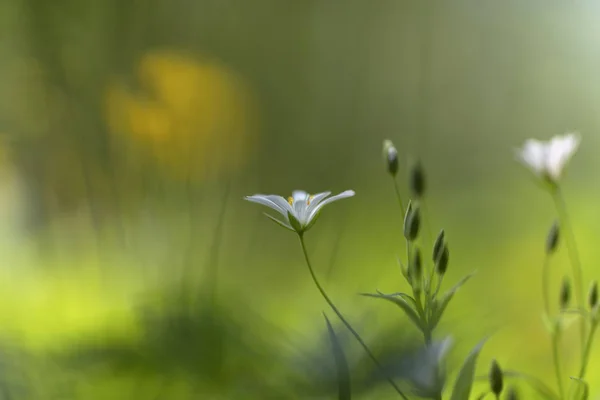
<point>441,265</point>
<point>390,155</point>
<point>511,394</point>
<point>552,238</point>
<point>417,180</point>
<point>593,295</point>
<point>496,378</point>
<point>438,245</point>
<point>565,293</point>
<point>412,222</point>
<point>417,266</point>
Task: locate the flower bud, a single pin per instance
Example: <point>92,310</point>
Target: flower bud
<point>441,265</point>
<point>593,295</point>
<point>552,238</point>
<point>438,245</point>
<point>390,155</point>
<point>417,266</point>
<point>417,180</point>
<point>511,394</point>
<point>496,378</point>
<point>412,222</point>
<point>565,293</point>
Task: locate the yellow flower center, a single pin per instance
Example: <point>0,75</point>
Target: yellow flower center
<point>291,200</point>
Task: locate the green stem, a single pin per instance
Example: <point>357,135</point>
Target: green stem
<point>556,359</point>
<point>399,197</point>
<point>546,284</point>
<point>565,223</point>
<point>588,348</point>
<point>341,317</point>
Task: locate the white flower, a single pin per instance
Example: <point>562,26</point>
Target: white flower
<point>301,210</point>
<point>548,159</point>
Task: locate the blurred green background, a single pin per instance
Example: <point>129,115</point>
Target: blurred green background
<point>131,130</point>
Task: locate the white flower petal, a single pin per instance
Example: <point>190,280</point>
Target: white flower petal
<point>299,195</point>
<point>533,155</point>
<point>270,201</point>
<point>299,205</point>
<point>343,195</point>
<point>317,198</point>
<point>560,151</point>
<point>282,203</point>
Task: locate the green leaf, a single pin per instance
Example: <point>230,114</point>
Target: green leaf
<point>313,220</point>
<point>278,222</point>
<point>343,371</point>
<point>400,302</point>
<point>441,304</point>
<point>582,391</point>
<point>294,223</point>
<point>482,395</point>
<point>405,296</point>
<point>464,381</point>
<point>536,384</point>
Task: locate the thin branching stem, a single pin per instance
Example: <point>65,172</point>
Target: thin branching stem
<point>556,359</point>
<point>343,319</point>
<point>588,347</point>
<point>399,197</point>
<point>565,222</point>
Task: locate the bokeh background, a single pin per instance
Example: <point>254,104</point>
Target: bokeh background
<point>131,130</point>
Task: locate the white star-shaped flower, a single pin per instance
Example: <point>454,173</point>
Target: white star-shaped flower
<point>300,211</point>
<point>547,160</point>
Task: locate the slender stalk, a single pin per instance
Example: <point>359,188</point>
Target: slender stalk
<point>341,317</point>
<point>416,290</point>
<point>556,359</point>
<point>546,284</point>
<point>399,197</point>
<point>565,222</point>
<point>588,348</point>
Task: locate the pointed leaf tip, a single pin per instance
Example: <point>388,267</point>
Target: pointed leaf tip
<point>464,380</point>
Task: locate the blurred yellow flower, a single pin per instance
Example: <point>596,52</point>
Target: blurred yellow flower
<point>197,119</point>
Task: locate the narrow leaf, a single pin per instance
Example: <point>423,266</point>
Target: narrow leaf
<point>278,222</point>
<point>537,384</point>
<point>464,381</point>
<point>343,371</point>
<point>405,296</point>
<point>442,303</point>
<point>400,302</point>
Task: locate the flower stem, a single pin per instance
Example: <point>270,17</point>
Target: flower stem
<point>399,197</point>
<point>565,222</point>
<point>556,359</point>
<point>588,348</point>
<point>341,317</point>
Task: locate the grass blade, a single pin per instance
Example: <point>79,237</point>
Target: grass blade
<point>341,364</point>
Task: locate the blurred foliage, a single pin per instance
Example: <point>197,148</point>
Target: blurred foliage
<point>130,130</point>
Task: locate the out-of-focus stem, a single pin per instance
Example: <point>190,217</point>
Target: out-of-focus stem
<point>342,318</point>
